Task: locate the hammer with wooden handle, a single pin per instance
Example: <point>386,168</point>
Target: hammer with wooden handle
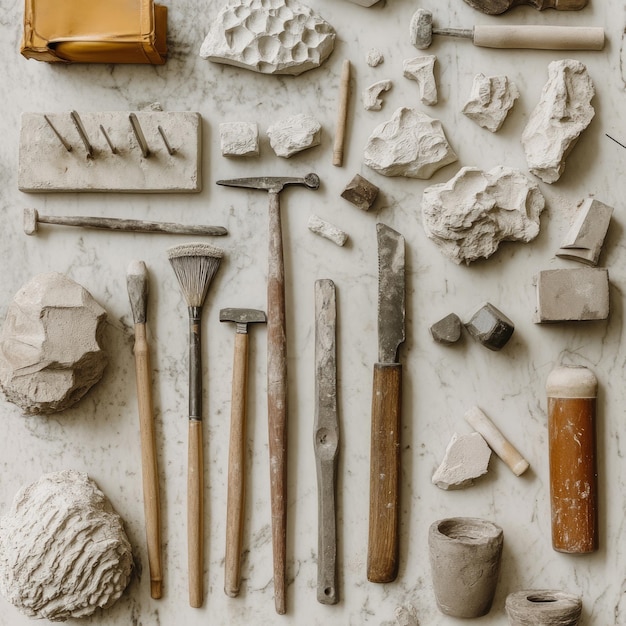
<point>237,446</point>
<point>276,367</point>
<point>507,36</point>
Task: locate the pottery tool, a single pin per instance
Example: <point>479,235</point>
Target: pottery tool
<point>195,265</point>
<point>572,393</point>
<point>276,368</point>
<point>496,7</point>
<point>326,439</point>
<point>236,450</point>
<point>32,219</point>
<point>137,283</point>
<point>508,36</point>
<point>342,114</point>
<point>382,550</point>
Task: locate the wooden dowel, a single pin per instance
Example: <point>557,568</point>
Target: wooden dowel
<point>342,114</point>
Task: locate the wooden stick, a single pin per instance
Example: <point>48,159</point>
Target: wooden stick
<point>342,114</point>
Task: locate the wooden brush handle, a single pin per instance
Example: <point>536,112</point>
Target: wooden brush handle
<point>277,399</point>
<point>236,468</point>
<point>382,552</point>
<point>539,37</point>
<point>149,467</point>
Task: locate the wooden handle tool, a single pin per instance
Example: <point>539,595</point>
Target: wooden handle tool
<point>137,283</point>
<point>342,114</point>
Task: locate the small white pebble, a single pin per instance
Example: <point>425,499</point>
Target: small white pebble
<point>325,229</point>
<point>374,57</point>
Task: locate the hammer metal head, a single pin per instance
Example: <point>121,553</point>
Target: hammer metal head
<point>242,317</point>
<point>422,29</point>
<point>30,221</point>
<point>273,184</point>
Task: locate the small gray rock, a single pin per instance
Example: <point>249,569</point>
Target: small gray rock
<point>360,192</point>
<point>490,327</point>
<point>447,330</point>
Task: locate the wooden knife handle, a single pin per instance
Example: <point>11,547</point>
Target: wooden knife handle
<point>195,514</point>
<point>382,551</point>
<point>539,37</point>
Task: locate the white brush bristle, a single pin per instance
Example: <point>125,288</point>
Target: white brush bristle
<point>194,249</point>
<point>195,265</point>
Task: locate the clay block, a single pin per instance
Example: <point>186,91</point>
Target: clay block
<point>447,330</point>
<point>467,458</point>
<point>584,240</point>
<point>568,295</point>
<point>360,192</point>
<point>239,139</point>
<point>490,327</point>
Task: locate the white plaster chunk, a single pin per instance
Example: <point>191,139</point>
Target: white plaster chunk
<point>410,144</point>
<point>406,615</point>
<point>422,70</point>
<point>563,113</point>
<point>50,346</point>
<point>371,95</point>
<point>327,230</point>
<point>269,36</point>
<point>63,550</point>
<point>465,460</point>
<point>374,57</point>
<point>239,139</point>
<point>491,99</point>
<point>294,134</point>
<point>470,215</point>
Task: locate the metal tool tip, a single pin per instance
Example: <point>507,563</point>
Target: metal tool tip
<point>312,181</point>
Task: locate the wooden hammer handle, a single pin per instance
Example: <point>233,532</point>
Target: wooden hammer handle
<point>149,468</point>
<point>382,552</point>
<point>236,468</point>
<point>539,37</point>
<point>195,514</point>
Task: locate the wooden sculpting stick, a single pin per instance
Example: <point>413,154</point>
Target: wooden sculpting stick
<point>342,114</point>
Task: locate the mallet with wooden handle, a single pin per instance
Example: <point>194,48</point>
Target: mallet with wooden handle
<point>137,283</point>
<point>237,446</point>
<point>508,36</point>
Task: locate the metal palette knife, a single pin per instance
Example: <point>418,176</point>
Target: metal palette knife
<point>382,551</point>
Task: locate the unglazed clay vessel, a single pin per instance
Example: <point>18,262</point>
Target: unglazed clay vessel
<point>543,607</point>
<point>465,563</point>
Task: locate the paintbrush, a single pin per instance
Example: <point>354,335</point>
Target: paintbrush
<point>195,264</point>
<point>137,283</point>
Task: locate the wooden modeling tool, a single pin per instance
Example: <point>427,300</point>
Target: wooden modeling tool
<point>237,446</point>
<point>342,114</point>
<point>195,265</point>
<point>137,283</point>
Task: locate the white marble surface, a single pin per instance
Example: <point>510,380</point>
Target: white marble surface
<point>100,435</point>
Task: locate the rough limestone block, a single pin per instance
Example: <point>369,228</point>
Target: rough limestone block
<point>447,330</point>
<point>585,238</point>
<point>294,134</point>
<point>360,192</point>
<point>422,70</point>
<point>239,139</point>
<point>563,113</point>
<point>572,295</point>
<point>374,57</point>
<point>473,212</point>
<point>50,346</point>
<point>465,460</point>
<point>63,550</point>
<point>269,36</point>
<point>410,144</point>
<point>491,99</point>
<point>371,95</point>
<point>489,326</point>
<point>327,230</point>
<point>46,166</point>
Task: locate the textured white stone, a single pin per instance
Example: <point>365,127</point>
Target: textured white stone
<point>327,230</point>
<point>374,57</point>
<point>470,215</point>
<point>63,550</point>
<point>269,36</point>
<point>371,95</point>
<point>50,353</point>
<point>466,458</point>
<point>239,139</point>
<point>491,99</point>
<point>294,134</point>
<point>563,113</point>
<point>422,70</point>
<point>410,144</point>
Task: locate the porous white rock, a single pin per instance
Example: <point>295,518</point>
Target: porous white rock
<point>371,95</point>
<point>422,70</point>
<point>470,215</point>
<point>269,36</point>
<point>410,144</point>
<point>63,549</point>
<point>466,458</point>
<point>491,99</point>
<point>374,57</point>
<point>294,134</point>
<point>563,113</point>
<point>50,346</point>
<point>327,230</point>
<point>239,139</point>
